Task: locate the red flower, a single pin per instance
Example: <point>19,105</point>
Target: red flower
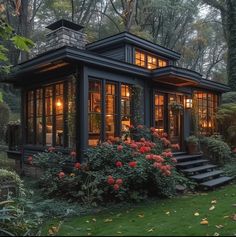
<point>142,149</point>
<point>61,175</point>
<point>77,165</point>
<point>110,180</point>
<point>73,154</point>
<point>116,187</point>
<point>119,181</point>
<point>133,164</point>
<point>30,160</point>
<point>119,164</point>
<point>157,165</point>
<point>152,129</point>
<point>119,148</point>
<point>134,145</point>
<point>51,149</point>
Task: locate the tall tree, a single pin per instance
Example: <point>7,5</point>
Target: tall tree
<point>227,9</point>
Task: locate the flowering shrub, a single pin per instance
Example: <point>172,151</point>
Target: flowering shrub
<point>116,170</point>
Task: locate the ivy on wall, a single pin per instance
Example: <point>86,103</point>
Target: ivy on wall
<point>137,105</point>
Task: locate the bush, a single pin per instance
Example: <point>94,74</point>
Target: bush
<point>226,117</point>
<point>116,170</point>
<point>4,119</point>
<point>216,150</point>
<point>192,140</point>
<point>10,181</point>
<point>229,97</point>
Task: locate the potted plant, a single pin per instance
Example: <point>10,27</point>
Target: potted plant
<point>176,108</point>
<point>193,145</point>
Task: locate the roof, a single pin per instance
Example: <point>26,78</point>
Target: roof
<point>64,23</point>
<point>126,37</point>
<point>66,55</point>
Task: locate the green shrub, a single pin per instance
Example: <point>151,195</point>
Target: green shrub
<point>226,118</point>
<point>192,139</point>
<point>216,150</point>
<point>11,179</point>
<point>229,97</point>
<point>4,119</point>
<point>116,170</point>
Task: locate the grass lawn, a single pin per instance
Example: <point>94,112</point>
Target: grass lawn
<point>177,216</point>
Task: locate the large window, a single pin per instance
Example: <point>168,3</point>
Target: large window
<point>50,111</point>
<point>109,110</point>
<point>205,106</point>
<point>95,111</point>
<point>159,112</point>
<point>125,107</point>
<point>149,61</point>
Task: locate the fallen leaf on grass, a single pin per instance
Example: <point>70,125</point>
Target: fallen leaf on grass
<point>204,222</point>
<point>167,213</point>
<point>88,229</point>
<point>212,208</point>
<point>213,202</point>
<point>219,226</point>
<point>141,215</point>
<point>118,215</point>
<point>234,205</point>
<point>196,214</point>
<point>87,221</point>
<point>94,220</point>
<point>107,220</point>
<point>119,232</point>
<point>216,234</point>
<point>226,217</point>
<point>233,217</point>
<point>151,230</point>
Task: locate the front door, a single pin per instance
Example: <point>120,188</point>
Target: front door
<point>165,120</point>
<point>175,120</point>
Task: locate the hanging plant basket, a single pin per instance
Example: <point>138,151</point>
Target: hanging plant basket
<point>176,108</point>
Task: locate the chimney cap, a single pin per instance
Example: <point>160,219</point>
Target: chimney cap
<point>65,23</point>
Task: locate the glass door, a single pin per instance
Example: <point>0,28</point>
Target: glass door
<point>175,120</point>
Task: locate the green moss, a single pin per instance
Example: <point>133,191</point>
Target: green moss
<point>161,217</point>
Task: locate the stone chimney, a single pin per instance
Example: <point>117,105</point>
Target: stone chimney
<point>65,33</point>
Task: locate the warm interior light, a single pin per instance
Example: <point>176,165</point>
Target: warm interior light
<point>58,103</point>
<point>188,103</point>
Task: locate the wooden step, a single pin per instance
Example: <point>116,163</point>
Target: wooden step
<point>187,157</point>
<point>216,182</point>
<point>203,176</point>
<point>199,168</point>
<point>191,163</point>
<point>179,153</point>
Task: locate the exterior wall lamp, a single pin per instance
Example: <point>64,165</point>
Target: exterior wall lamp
<point>188,103</point>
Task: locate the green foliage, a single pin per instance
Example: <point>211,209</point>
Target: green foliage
<point>215,149</point>
<point>9,177</point>
<point>137,107</point>
<point>226,117</point>
<point>192,139</point>
<point>230,168</point>
<point>4,119</point>
<point>229,97</point>
<point>176,107</point>
<point>116,170</point>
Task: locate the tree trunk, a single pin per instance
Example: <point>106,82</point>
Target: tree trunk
<point>231,41</point>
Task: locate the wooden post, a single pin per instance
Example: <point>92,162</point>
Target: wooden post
<point>81,112</point>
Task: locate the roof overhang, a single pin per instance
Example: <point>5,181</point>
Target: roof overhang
<point>126,37</point>
<point>67,57</point>
<point>176,76</point>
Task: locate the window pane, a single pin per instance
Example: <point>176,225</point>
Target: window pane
<point>125,107</point>
<point>110,110</point>
<point>49,130</point>
<point>94,109</point>
<point>59,130</point>
<point>159,113</point>
<point>39,114</point>
<point>30,117</point>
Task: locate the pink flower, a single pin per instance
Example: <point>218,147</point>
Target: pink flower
<point>77,165</point>
<point>140,126</point>
<point>119,148</point>
<point>110,180</point>
<point>119,164</point>
<point>157,165</point>
<point>73,154</point>
<point>116,187</point>
<point>61,175</point>
<point>174,160</point>
<point>30,160</point>
<point>133,164</point>
<point>152,129</point>
<point>51,149</point>
<point>119,181</point>
<point>134,145</point>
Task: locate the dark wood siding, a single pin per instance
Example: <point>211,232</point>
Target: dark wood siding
<point>116,53</point>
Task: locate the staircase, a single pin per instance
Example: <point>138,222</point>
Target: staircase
<point>195,167</point>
